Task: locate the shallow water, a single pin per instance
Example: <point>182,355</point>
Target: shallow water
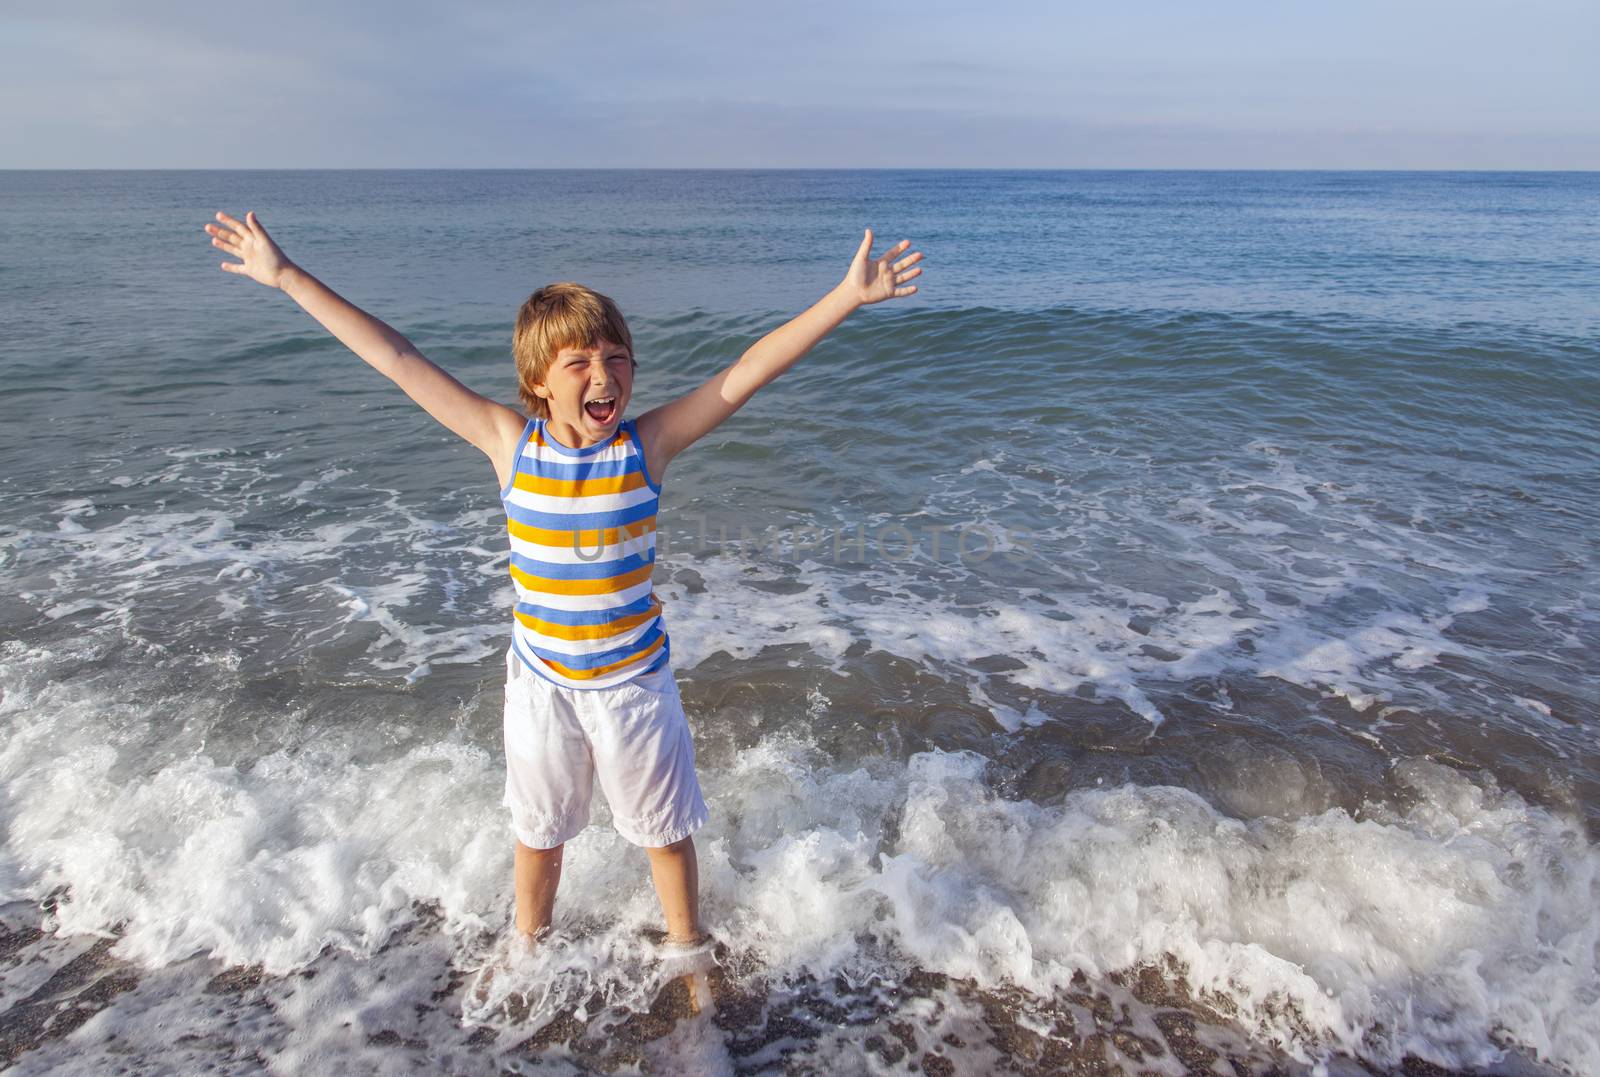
<point>1194,585</point>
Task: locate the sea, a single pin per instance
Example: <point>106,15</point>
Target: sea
<point>1166,643</point>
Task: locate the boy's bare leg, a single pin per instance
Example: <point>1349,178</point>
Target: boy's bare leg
<point>538,872</point>
<point>677,877</point>
<point>676,872</point>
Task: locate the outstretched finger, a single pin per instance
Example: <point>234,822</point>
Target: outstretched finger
<point>909,260</point>
<point>230,228</point>
<point>238,226</point>
<point>233,267</point>
<point>910,289</point>
<point>255,225</point>
<point>897,249</point>
<point>866,245</point>
<point>901,278</point>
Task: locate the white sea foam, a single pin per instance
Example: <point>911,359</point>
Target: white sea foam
<point>398,578</point>
<point>415,647</point>
<point>1070,642</point>
<point>262,865</point>
<point>324,478</point>
<point>1435,928</point>
<point>1277,573</point>
<point>1429,928</point>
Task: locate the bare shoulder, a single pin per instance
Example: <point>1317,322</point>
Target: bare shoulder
<point>509,425</point>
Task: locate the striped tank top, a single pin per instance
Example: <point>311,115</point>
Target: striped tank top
<point>583,544</point>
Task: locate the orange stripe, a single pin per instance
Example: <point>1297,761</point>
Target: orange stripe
<point>573,632</point>
<point>616,484</point>
<point>605,586</point>
<point>588,540</point>
<point>601,671</point>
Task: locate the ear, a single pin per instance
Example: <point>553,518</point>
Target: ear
<point>540,391</point>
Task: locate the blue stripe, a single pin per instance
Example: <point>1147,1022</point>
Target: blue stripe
<point>662,657</point>
<point>527,432</point>
<point>600,658</point>
<point>594,469</point>
<point>578,466</point>
<point>595,570</point>
<point>582,521</point>
<point>659,662</point>
<point>585,617</point>
<point>638,447</point>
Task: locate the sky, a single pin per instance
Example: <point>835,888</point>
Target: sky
<point>929,84</point>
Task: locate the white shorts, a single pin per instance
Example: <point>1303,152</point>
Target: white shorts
<point>633,737</point>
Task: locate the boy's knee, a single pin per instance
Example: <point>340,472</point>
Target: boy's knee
<point>677,847</point>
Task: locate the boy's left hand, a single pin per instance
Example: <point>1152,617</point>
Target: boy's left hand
<point>872,280</point>
<point>261,259</point>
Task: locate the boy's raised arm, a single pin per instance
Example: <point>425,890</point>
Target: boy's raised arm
<point>673,427</point>
<point>492,427</point>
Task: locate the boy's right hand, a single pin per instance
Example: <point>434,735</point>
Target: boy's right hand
<point>262,260</point>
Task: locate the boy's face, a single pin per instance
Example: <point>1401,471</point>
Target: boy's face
<point>588,388</point>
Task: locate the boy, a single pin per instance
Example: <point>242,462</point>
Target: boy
<point>590,693</point>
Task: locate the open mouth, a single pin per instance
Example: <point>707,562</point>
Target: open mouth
<point>602,410</point>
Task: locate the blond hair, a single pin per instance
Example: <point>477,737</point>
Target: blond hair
<point>561,315</point>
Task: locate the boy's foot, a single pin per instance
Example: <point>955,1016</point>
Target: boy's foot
<point>690,961</point>
<point>495,985</point>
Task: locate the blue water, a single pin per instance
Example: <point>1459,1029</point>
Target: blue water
<point>1291,479</point>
